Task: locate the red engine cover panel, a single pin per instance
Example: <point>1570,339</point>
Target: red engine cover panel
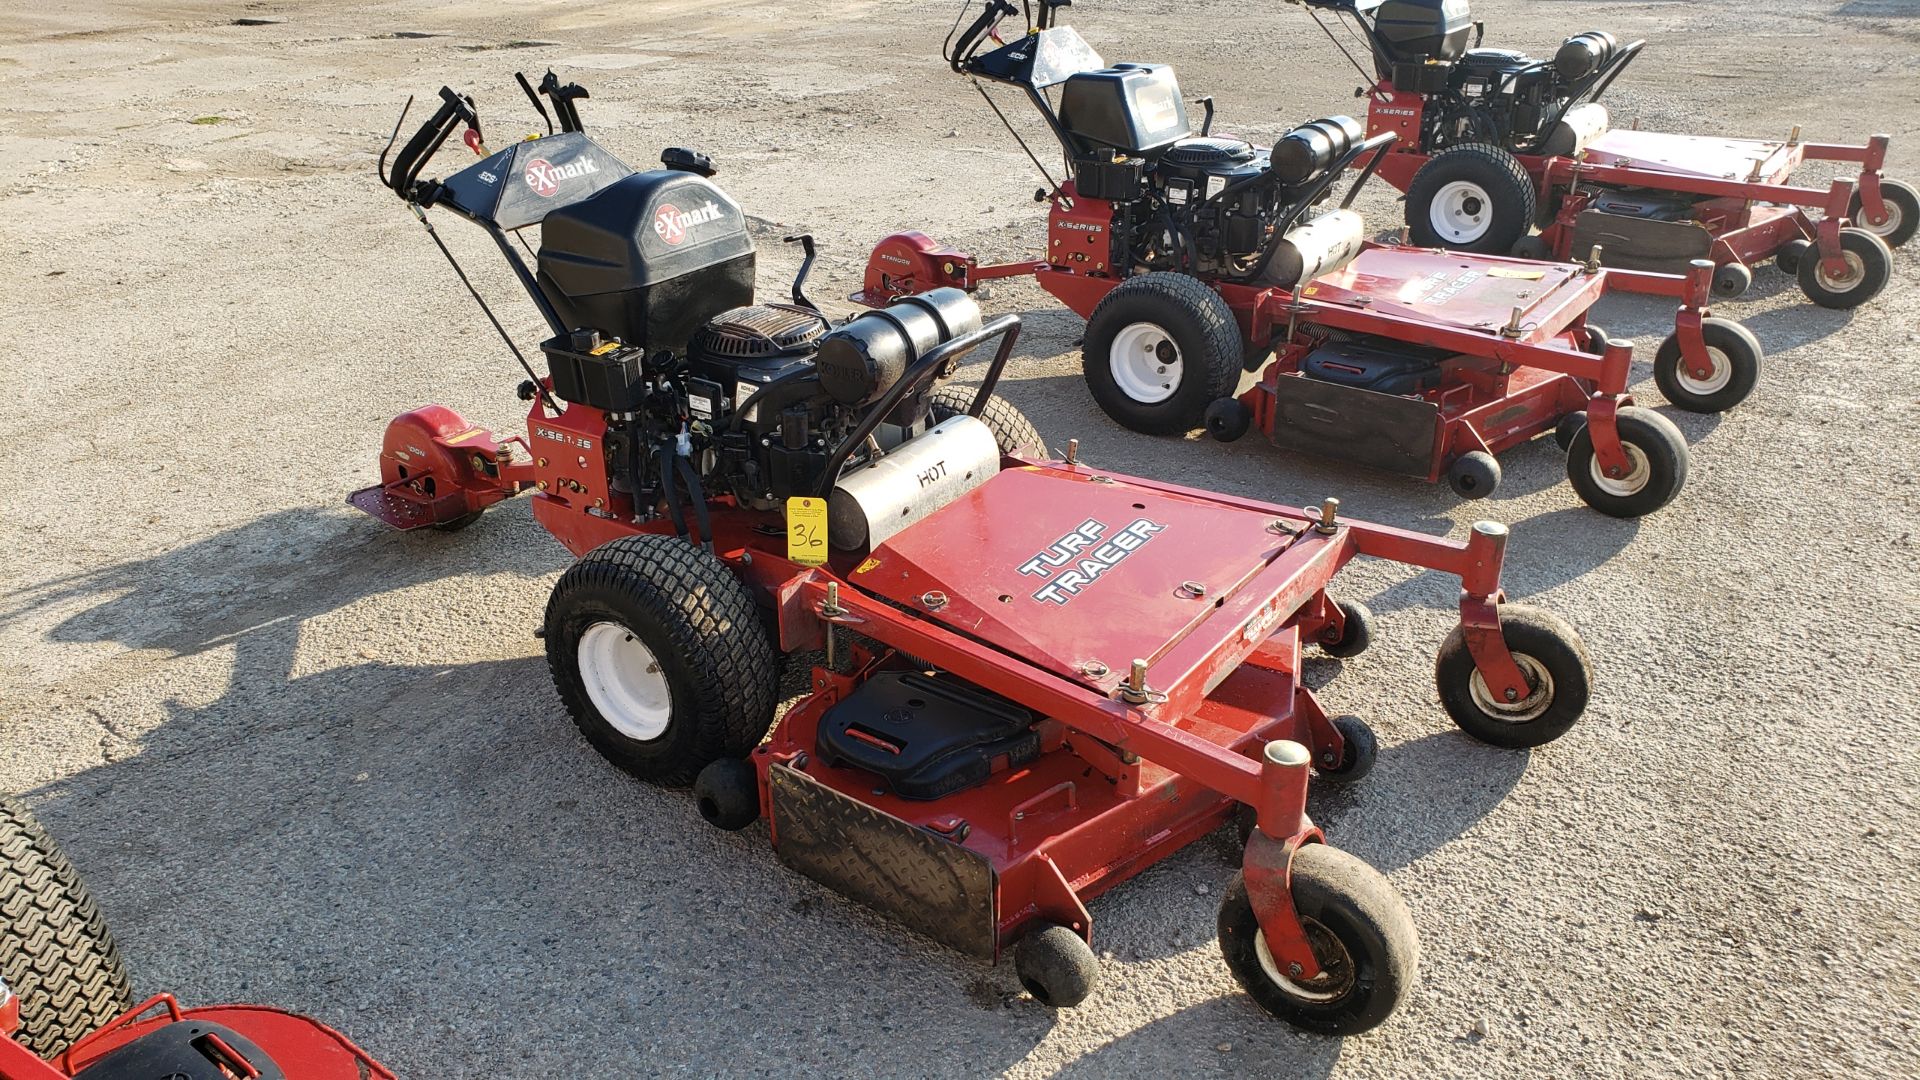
<point>1065,569</point>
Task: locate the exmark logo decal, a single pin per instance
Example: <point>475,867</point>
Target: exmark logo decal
<point>1082,557</point>
<point>672,224</point>
<point>544,176</point>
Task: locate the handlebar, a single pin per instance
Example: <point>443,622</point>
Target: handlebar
<point>957,53</point>
<point>413,157</point>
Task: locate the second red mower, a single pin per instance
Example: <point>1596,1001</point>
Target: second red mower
<point>1198,258</point>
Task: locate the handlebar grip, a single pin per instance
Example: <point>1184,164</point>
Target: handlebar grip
<point>970,39</point>
<point>413,156</point>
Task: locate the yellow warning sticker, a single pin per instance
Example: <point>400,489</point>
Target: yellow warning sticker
<point>866,566</point>
<point>1519,275</point>
<point>807,531</point>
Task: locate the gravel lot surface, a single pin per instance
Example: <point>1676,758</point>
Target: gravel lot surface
<point>309,762</point>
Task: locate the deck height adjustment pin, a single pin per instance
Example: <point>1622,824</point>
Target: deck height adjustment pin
<point>1329,512</point>
<point>832,609</point>
<point>1134,690</point>
<point>1593,258</point>
<point>1073,451</point>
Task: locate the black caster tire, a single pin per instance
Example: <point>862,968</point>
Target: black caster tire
<point>56,954</point>
<point>1569,426</point>
<point>1657,452</point>
<point>1869,266</point>
<point>1553,658</point>
<point>1355,636</point>
<point>1012,431</point>
<point>1476,197</point>
<point>1357,757</point>
<point>1731,282</point>
<point>1594,339</point>
<point>727,794</point>
<point>657,650</point>
<point>1228,419</point>
<point>1787,259</point>
<point>1903,206</point>
<point>1056,966</point>
<point>1159,349</point>
<point>1474,475</point>
<point>1533,246</point>
<point>1736,357</point>
<point>1362,935</point>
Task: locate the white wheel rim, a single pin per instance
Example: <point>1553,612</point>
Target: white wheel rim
<point>1887,227</point>
<point>1527,708</point>
<point>1856,270</point>
<point>1145,363</point>
<point>1462,212</point>
<point>1719,374</point>
<point>1638,473</point>
<point>624,681</point>
<point>1320,988</point>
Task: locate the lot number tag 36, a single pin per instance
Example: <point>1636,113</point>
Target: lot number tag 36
<point>807,531</point>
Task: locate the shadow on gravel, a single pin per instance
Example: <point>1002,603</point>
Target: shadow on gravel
<point>1454,780</point>
<point>1188,1044</point>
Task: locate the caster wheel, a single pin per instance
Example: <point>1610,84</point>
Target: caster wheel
<point>727,793</point>
<point>1474,475</point>
<point>1355,636</point>
<point>1732,281</point>
<point>1787,259</point>
<point>1734,357</point>
<point>1570,425</point>
<point>1056,966</point>
<point>1657,456</point>
<point>1869,265</point>
<point>1903,213</point>
<point>1532,246</point>
<point>1548,652</point>
<point>1228,419</point>
<point>1361,934</point>
<point>1594,339</point>
<point>1357,758</point>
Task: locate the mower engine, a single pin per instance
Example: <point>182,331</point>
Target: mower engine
<point>668,382</point>
<point>1498,96</point>
<point>1206,204</point>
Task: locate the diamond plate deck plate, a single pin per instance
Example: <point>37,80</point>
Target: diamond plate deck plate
<point>926,882</point>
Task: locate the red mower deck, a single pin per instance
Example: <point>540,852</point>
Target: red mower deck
<point>1038,678</point>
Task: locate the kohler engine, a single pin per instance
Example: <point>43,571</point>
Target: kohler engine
<point>1497,96</point>
<point>1200,204</point>
<point>704,390</point>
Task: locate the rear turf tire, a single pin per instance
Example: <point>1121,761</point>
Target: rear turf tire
<point>658,652</point>
<point>1476,197</point>
<point>1012,431</point>
<point>55,952</point>
<point>1159,349</point>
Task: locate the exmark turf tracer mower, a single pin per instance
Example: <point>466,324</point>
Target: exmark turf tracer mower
<point>1039,677</point>
<point>66,1009</point>
<point>1196,257</point>
<point>1493,142</point>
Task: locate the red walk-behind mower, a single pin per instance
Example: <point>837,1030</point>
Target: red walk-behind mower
<point>1493,142</point>
<point>1196,258</point>
<point>66,1009</point>
<point>1039,678</point>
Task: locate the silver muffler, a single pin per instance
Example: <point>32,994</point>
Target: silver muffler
<point>911,481</point>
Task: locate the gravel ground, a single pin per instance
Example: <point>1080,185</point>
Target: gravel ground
<point>309,762</point>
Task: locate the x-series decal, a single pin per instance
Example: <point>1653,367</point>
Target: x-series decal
<point>1081,557</point>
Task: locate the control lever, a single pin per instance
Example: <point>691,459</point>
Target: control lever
<point>521,78</point>
<point>805,240</point>
<point>563,98</point>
